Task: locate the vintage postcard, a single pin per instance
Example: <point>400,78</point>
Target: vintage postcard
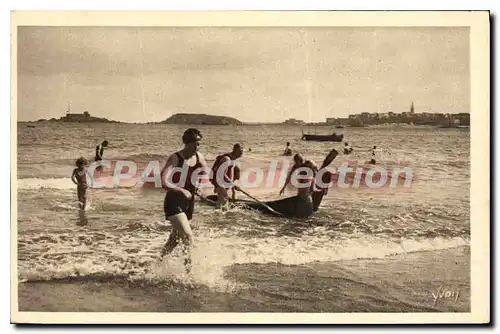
<point>250,167</point>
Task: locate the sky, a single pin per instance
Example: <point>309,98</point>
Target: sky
<point>253,74</point>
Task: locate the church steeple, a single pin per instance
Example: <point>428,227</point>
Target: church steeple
<point>412,110</point>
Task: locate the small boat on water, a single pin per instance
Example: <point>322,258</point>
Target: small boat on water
<point>286,207</point>
<point>333,137</point>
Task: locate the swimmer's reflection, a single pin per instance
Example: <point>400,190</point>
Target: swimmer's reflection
<point>82,218</point>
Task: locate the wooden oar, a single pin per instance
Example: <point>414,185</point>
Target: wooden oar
<point>204,198</point>
<point>247,194</point>
<point>318,198</point>
<point>261,203</point>
<point>329,158</point>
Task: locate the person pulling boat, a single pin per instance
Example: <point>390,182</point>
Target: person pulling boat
<point>224,174</point>
<point>298,162</point>
<point>308,197</point>
<point>304,172</point>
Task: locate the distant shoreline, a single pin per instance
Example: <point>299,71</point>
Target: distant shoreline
<point>306,125</point>
<point>215,120</point>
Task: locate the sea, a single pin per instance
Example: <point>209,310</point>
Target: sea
<point>399,249</point>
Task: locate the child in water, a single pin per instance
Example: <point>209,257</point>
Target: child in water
<point>79,177</point>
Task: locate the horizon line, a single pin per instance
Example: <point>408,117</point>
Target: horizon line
<point>301,122</point>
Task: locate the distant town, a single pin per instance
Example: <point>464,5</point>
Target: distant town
<point>409,117</point>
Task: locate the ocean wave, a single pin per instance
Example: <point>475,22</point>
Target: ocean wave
<point>142,157</point>
<point>106,182</point>
<point>135,255</point>
<point>37,183</point>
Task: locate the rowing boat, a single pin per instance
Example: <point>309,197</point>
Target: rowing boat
<point>291,207</point>
<point>334,137</point>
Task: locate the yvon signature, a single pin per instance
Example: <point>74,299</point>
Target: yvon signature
<point>444,293</point>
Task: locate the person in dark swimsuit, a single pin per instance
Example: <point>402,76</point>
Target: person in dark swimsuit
<point>221,186</point>
<point>79,177</point>
<point>310,193</point>
<point>301,203</point>
<point>298,162</point>
<point>181,187</point>
<point>99,150</point>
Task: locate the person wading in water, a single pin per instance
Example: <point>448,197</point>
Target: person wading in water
<point>302,202</point>
<point>347,149</point>
<point>309,192</point>
<point>79,177</point>
<point>226,180</point>
<point>374,151</point>
<point>288,150</point>
<point>99,150</point>
<point>181,188</point>
<point>298,162</point>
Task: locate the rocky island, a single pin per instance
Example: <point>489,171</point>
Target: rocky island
<point>84,117</point>
<point>183,118</point>
<point>201,119</point>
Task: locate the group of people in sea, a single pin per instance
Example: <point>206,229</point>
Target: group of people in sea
<point>179,203</point>
<point>179,199</point>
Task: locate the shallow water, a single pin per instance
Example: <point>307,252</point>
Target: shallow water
<point>241,253</point>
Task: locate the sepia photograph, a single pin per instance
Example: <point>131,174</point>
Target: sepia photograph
<point>250,167</point>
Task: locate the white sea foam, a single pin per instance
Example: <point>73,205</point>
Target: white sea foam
<point>36,183</point>
<point>117,254</point>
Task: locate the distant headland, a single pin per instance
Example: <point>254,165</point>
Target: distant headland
<point>182,118</point>
<point>201,119</point>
